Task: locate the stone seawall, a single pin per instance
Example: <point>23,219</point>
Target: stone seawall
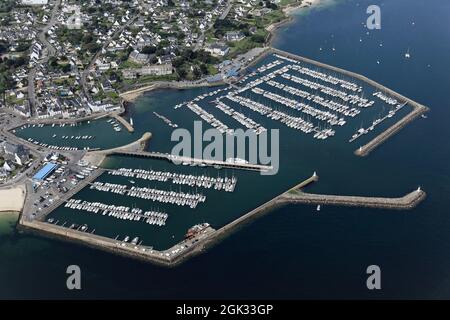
<point>406,202</point>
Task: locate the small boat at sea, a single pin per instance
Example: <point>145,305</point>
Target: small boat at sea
<point>407,54</point>
<point>318,208</point>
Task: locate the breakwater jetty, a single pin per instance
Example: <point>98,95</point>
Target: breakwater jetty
<point>406,202</point>
<point>168,258</point>
<point>270,205</point>
<point>389,132</point>
<point>124,122</point>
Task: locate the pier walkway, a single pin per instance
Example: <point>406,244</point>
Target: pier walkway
<point>194,161</point>
<point>124,122</point>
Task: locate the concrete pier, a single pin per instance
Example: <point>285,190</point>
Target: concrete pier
<point>124,122</point>
<point>96,157</point>
<point>194,161</point>
<point>389,132</point>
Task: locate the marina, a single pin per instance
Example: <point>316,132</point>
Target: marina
<point>302,94</point>
<point>298,95</point>
<point>156,195</point>
<point>303,250</point>
<point>118,212</point>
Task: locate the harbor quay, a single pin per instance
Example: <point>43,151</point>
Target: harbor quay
<point>168,258</point>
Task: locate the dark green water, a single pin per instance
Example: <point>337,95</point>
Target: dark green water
<point>294,252</point>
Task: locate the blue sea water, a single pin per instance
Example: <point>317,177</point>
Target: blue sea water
<point>294,252</point>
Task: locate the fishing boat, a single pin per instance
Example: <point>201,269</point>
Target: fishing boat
<point>318,208</point>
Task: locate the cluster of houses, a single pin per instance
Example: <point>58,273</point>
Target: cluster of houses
<point>127,30</point>
<point>13,157</point>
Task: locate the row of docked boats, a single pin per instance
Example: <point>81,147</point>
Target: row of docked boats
<point>387,99</point>
<point>240,117</point>
<point>115,124</point>
<point>297,123</point>
<point>332,105</point>
<point>76,137</point>
<point>269,66</point>
<point>352,99</point>
<point>218,183</point>
<point>119,212</point>
<point>299,106</point>
<point>49,146</point>
<point>157,195</point>
<point>209,118</point>
<point>362,131</point>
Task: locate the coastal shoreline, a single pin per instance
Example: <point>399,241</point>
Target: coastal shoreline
<point>288,11</point>
<point>12,199</point>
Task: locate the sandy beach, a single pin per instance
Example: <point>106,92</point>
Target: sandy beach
<point>12,199</point>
